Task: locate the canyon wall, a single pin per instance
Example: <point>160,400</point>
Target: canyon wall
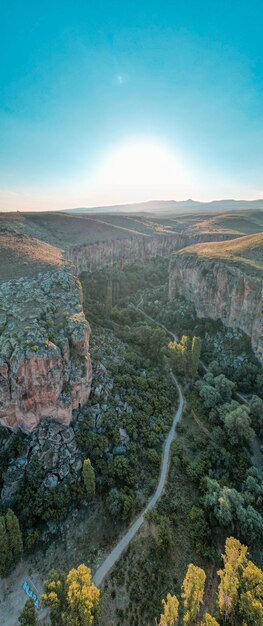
<point>45,367</point>
<point>220,291</point>
<point>91,257</point>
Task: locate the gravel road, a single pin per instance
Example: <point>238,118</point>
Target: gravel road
<point>122,545</point>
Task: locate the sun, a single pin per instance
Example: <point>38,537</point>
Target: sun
<point>140,168</point>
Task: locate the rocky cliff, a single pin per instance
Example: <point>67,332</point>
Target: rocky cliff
<point>224,281</point>
<point>45,368</point>
<point>95,256</point>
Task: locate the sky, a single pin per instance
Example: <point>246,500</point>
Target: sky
<point>110,102</point>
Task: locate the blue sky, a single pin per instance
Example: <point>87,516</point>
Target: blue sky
<point>86,86</point>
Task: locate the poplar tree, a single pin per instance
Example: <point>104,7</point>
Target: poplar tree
<point>73,599</point>
<point>82,598</point>
<point>235,560</point>
<point>55,595</point>
<point>193,586</point>
<point>108,297</point>
<point>14,535</point>
<point>28,615</point>
<point>195,355</point>
<point>251,595</point>
<point>170,611</point>
<point>209,620</point>
<point>88,475</point>
<point>4,550</point>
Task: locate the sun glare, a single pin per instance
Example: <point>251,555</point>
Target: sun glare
<point>140,168</point>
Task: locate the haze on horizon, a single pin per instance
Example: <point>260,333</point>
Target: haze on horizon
<point>115,102</point>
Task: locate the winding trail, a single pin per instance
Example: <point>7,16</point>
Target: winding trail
<point>122,545</point>
<point>124,542</point>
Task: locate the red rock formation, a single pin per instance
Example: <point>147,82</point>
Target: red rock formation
<point>42,376</point>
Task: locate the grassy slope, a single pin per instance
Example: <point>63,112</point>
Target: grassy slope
<point>244,252</point>
<point>25,256</point>
<point>32,242</point>
<point>65,229</point>
<point>243,222</point>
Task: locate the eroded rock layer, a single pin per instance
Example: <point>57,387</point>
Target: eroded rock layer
<point>45,367</point>
<point>222,287</point>
<point>95,256</point>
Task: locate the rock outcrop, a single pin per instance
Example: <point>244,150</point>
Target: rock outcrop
<point>45,367</point>
<point>221,289</point>
<point>54,445</point>
<point>95,256</point>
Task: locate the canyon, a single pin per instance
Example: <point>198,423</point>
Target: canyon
<point>45,366</point>
<point>92,257</point>
<point>224,283</point>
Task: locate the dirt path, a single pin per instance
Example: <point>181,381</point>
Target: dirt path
<point>122,545</point>
<point>124,542</point>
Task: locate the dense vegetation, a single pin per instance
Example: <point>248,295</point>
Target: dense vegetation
<point>132,470</point>
<point>125,474</point>
<point>214,488</point>
<point>73,599</point>
<point>11,543</point>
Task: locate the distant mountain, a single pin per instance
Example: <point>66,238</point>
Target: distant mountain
<point>171,206</point>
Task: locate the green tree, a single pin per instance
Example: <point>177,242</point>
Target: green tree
<point>252,488</point>
<point>128,506</point>
<point>256,413</point>
<point>170,611</point>
<point>109,296</point>
<point>237,425</point>
<point>195,355</point>
<point>55,596</point>
<point>114,502</point>
<point>193,586</point>
<point>218,499</point>
<point>151,340</point>
<point>209,395</point>
<point>224,386</point>
<point>11,544</point>
<point>259,383</point>
<point>4,549</point>
<point>88,475</point>
<point>14,534</point>
<point>28,615</point>
<point>164,532</point>
<point>200,531</point>
<point>214,368</point>
<point>230,509</point>
<point>250,524</point>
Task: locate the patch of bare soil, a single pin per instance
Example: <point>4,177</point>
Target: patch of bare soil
<point>85,537</point>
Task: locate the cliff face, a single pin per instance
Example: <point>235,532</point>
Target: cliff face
<point>93,257</point>
<point>221,291</point>
<point>45,368</point>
